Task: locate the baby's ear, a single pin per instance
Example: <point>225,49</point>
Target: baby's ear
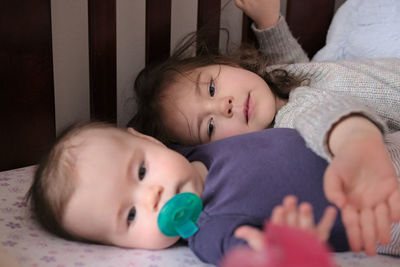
<point>147,137</point>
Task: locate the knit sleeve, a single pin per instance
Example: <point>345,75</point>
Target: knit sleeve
<point>313,112</point>
<point>279,45</point>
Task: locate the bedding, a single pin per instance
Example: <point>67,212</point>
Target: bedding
<point>22,240</point>
<point>363,29</point>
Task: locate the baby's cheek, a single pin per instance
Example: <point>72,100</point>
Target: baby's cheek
<point>163,242</point>
<point>152,238</point>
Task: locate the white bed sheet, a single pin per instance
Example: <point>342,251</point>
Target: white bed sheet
<point>29,245</point>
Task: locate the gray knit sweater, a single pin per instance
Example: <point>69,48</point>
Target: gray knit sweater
<point>336,89</point>
<point>368,87</point>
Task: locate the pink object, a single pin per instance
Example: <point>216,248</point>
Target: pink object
<point>284,247</point>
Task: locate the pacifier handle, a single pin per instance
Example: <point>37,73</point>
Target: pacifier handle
<point>179,215</point>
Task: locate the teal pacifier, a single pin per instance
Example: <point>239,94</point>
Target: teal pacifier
<point>179,215</point>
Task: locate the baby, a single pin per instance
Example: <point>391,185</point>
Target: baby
<point>107,185</point>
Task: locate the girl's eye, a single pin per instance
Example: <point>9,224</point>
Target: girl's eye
<point>131,215</point>
<point>211,88</point>
<point>142,172</point>
<point>210,128</point>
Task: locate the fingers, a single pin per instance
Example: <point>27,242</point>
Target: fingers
<point>394,205</point>
<point>368,231</point>
<point>352,225</point>
<point>290,206</point>
<point>366,227</point>
<point>360,229</point>
<point>278,215</point>
<point>333,187</point>
<point>289,214</point>
<point>285,214</point>
<point>325,225</point>
<point>306,217</point>
<point>302,217</point>
<point>383,223</point>
<point>253,236</point>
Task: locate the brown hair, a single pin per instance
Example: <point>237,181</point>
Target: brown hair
<point>55,181</point>
<point>152,81</point>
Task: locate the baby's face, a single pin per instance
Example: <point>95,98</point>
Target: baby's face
<point>123,180</point>
<point>215,102</point>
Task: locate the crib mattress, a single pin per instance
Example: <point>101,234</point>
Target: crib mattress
<point>23,241</point>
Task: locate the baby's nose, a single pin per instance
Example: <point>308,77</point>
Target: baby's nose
<point>226,106</point>
<point>153,197</point>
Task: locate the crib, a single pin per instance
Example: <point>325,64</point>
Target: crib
<point>31,119</point>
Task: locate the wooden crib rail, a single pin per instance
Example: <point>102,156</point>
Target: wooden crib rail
<point>27,123</point>
<point>27,115</point>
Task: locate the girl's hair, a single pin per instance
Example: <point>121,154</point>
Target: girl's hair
<point>55,181</point>
<point>152,81</point>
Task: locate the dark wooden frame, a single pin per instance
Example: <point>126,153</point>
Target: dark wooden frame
<point>158,30</point>
<point>26,82</point>
<point>309,21</point>
<point>27,115</point>
<point>208,19</point>
<point>102,60</point>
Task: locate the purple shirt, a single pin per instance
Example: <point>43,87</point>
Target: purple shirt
<point>248,175</point>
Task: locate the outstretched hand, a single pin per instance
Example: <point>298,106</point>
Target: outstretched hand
<point>362,182</point>
<point>264,13</point>
<point>290,214</point>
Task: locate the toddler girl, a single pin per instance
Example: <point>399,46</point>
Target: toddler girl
<point>346,112</point>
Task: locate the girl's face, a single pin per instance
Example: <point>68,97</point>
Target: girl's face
<point>123,180</point>
<point>217,101</point>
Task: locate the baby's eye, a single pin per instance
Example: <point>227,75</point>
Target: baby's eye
<point>131,215</point>
<point>142,172</point>
<point>211,88</point>
<point>210,128</point>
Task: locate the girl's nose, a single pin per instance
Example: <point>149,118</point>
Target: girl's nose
<point>226,106</point>
<point>153,197</point>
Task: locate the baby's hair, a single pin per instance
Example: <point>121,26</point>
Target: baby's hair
<point>55,180</point>
<point>152,81</point>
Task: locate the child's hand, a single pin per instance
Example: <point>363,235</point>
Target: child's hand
<point>302,216</point>
<point>362,182</point>
<point>291,215</point>
<point>264,13</point>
